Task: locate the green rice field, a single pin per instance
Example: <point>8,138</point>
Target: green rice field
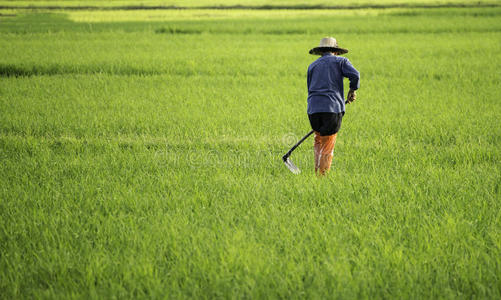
<point>140,153</point>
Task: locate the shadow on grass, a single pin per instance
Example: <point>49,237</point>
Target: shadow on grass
<point>173,30</point>
<point>58,22</point>
<point>12,70</point>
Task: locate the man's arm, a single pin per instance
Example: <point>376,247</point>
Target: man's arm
<point>354,76</point>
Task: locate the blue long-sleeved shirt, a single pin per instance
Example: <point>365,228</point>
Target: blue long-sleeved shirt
<point>325,83</point>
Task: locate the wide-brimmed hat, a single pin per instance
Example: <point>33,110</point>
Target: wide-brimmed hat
<point>328,44</point>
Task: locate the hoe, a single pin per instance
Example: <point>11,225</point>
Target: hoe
<point>288,163</point>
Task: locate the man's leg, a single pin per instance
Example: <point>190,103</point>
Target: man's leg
<point>324,148</point>
<point>326,126</point>
<point>317,146</point>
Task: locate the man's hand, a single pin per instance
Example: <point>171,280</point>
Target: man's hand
<point>352,96</point>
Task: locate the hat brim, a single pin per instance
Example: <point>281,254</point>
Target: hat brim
<point>321,50</point>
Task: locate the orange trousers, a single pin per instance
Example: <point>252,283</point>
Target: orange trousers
<point>324,149</point>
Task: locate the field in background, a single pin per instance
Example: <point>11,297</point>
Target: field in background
<point>246,3</point>
<point>140,155</point>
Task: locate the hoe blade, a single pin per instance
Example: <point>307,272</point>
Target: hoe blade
<point>291,166</point>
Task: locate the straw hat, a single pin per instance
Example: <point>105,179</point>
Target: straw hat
<point>328,44</point>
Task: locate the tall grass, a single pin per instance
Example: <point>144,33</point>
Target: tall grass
<point>142,159</point>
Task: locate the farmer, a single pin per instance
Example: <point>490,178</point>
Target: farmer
<point>326,98</point>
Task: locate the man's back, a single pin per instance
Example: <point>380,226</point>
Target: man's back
<point>325,83</point>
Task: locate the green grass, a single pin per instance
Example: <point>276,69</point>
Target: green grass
<point>247,3</point>
<point>140,156</point>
